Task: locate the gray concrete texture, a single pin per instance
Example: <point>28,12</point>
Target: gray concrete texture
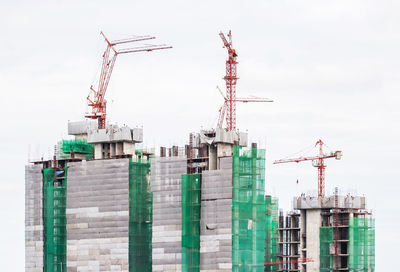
<point>33,218</point>
<point>166,184</point>
<point>98,215</point>
<point>216,218</point>
<point>328,202</point>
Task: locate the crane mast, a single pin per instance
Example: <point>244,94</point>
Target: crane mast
<point>318,161</point>
<point>230,79</point>
<point>96,98</point>
<point>229,106</point>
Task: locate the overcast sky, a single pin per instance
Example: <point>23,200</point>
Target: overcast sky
<point>332,68</point>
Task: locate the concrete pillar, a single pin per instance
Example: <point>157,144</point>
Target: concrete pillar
<point>98,151</point>
<point>212,159</point>
<point>129,148</point>
<point>313,223</point>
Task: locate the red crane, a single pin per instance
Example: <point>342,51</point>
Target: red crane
<point>231,78</point>
<point>96,98</point>
<point>223,108</point>
<point>318,161</point>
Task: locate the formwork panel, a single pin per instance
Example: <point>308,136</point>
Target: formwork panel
<point>98,215</point>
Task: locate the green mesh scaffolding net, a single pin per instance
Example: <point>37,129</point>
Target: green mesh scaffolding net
<point>362,244</point>
<point>271,234</point>
<point>140,217</point>
<point>248,210</point>
<point>191,200</point>
<point>326,241</point>
<point>68,147</point>
<point>54,205</point>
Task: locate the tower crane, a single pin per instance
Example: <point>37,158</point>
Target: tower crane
<point>231,78</point>
<point>318,161</point>
<point>96,98</point>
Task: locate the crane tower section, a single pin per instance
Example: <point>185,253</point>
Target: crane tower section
<point>229,106</point>
<point>230,79</point>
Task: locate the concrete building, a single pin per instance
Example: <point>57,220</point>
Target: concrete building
<point>102,204</point>
<point>333,233</point>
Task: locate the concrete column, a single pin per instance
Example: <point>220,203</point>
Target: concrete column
<point>212,159</point>
<point>129,148</point>
<point>98,149</point>
<point>313,223</point>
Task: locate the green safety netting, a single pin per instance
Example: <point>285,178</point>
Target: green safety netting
<point>248,210</point>
<point>77,146</point>
<point>54,234</point>
<point>191,200</point>
<point>361,244</point>
<point>271,234</point>
<point>140,217</point>
<point>326,241</point>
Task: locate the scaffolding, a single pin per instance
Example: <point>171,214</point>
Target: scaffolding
<point>191,200</point>
<point>248,210</point>
<point>140,216</point>
<point>362,244</point>
<point>271,233</point>
<point>54,206</point>
<point>67,149</point>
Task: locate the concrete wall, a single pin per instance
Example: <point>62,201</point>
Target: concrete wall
<point>98,215</point>
<point>216,218</point>
<point>33,218</point>
<point>328,202</point>
<point>166,180</point>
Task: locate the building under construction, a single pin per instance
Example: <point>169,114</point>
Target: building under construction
<point>103,203</point>
<point>332,233</point>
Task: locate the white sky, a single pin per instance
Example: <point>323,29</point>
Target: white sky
<point>332,68</point>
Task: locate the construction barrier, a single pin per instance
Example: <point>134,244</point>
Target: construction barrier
<point>140,217</point>
<point>54,205</point>
<point>271,234</point>
<point>191,200</point>
<point>68,147</point>
<point>325,255</point>
<point>248,210</point>
<point>362,244</point>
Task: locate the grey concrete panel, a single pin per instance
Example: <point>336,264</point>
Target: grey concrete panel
<point>98,215</point>
<point>165,180</point>
<point>33,218</point>
<point>216,218</point>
